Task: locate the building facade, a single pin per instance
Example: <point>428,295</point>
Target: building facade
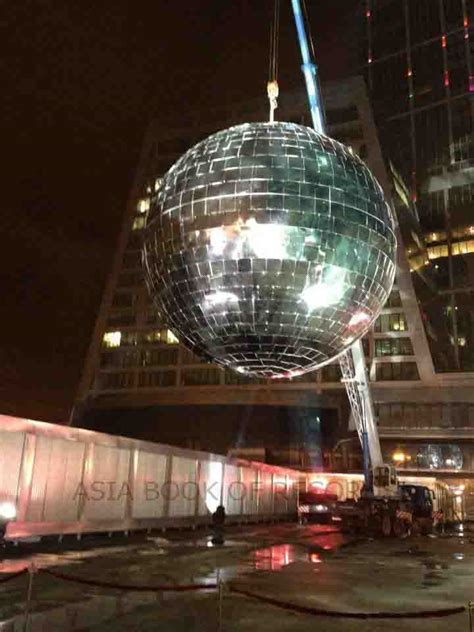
<point>419,71</point>
<point>139,380</point>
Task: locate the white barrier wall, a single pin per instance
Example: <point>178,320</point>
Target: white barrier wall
<point>70,480</point>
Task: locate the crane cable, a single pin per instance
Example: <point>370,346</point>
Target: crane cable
<point>272,85</point>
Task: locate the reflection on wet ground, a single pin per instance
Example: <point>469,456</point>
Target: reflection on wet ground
<point>316,540</point>
<point>311,564</point>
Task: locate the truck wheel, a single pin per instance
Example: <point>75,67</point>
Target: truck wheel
<point>426,527</point>
<point>415,528</point>
<point>386,525</point>
<point>399,528</point>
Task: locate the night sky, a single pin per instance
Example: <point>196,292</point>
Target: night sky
<point>80,82</point>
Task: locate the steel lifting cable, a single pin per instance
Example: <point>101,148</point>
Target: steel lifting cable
<point>272,85</point>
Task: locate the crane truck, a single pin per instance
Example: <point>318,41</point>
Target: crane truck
<point>384,507</point>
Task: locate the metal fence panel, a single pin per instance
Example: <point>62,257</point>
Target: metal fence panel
<point>183,488</point>
<point>210,486</point>
<point>265,493</point>
<point>232,492</point>
<point>107,488</point>
<point>63,486</point>
<point>281,490</point>
<point>250,483</point>
<point>292,494</point>
<point>10,464</point>
<point>149,478</point>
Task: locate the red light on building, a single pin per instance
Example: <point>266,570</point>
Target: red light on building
<point>409,72</point>
<point>443,41</point>
<point>446,79</point>
<point>466,22</point>
<point>368,13</point>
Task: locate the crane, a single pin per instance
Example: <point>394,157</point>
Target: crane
<point>352,361</point>
<point>384,505</point>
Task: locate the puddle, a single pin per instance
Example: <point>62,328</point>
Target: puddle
<point>12,565</point>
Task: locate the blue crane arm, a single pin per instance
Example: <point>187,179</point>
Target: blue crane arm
<point>309,70</point>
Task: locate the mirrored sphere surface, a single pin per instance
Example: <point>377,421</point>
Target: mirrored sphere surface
<point>269,248</point>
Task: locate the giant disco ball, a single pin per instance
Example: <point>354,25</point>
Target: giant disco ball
<point>269,248</point>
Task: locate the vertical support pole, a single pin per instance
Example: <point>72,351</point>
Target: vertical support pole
<point>29,594</point>
<point>365,452</point>
<point>469,607</point>
<point>220,595</point>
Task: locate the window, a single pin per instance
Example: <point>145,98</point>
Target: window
<point>139,222</point>
<point>143,205</point>
<point>130,279</point>
<point>123,320</point>
<point>393,346</point>
<point>122,359</point>
<point>156,378</point>
<point>198,377</point>
<point>447,456</point>
<point>188,357</point>
<point>231,377</point>
<point>112,339</point>
<point>116,381</point>
<point>164,336</point>
<point>390,322</point>
<point>132,259</point>
<point>342,115</point>
<point>331,373</point>
<point>159,357</point>
<point>123,300</point>
<point>394,300</point>
<point>393,371</point>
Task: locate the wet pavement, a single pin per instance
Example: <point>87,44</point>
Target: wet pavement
<point>311,565</point>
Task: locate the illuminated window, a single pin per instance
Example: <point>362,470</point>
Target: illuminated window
<point>390,322</point>
<point>139,223</point>
<point>152,336</point>
<point>128,338</point>
<point>112,339</point>
<point>169,338</point>
<point>160,335</point>
<point>143,205</point>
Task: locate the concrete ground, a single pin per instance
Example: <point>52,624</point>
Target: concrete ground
<point>306,565</point>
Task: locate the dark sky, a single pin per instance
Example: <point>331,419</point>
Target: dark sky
<point>80,82</point>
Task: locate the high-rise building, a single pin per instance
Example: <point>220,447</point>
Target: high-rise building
<point>138,380</point>
<point>419,71</point>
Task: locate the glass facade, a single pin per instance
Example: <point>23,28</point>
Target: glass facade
<point>419,69</point>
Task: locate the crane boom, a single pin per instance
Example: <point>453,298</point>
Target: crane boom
<point>309,69</point>
<point>352,362</point>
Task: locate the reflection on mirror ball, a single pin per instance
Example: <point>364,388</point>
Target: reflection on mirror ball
<point>269,248</point>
